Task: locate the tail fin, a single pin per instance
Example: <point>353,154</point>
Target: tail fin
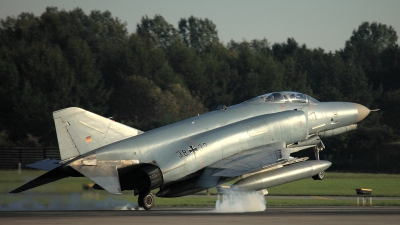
<point>80,131</point>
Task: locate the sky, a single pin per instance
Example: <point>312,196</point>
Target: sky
<point>316,23</point>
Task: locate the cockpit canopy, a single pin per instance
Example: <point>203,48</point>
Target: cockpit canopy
<point>287,96</point>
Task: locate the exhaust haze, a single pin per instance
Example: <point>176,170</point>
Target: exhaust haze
<point>67,202</point>
<point>233,201</point>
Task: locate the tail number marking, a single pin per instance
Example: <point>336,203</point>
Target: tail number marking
<point>191,149</point>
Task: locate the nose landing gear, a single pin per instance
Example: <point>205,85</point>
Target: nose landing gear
<point>317,149</point>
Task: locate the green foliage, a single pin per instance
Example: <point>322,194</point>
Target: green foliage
<point>151,106</point>
<point>48,67</point>
<point>365,47</point>
<point>391,107</point>
<point>374,37</point>
<point>198,34</point>
<point>4,139</point>
<point>158,30</point>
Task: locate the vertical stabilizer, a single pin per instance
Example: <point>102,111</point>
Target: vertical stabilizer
<point>80,131</point>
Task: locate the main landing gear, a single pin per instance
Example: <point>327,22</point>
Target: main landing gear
<point>317,149</point>
<point>151,177</point>
<point>146,201</point>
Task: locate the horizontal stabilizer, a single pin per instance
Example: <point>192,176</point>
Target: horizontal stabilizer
<point>46,164</point>
<point>103,175</point>
<point>51,176</point>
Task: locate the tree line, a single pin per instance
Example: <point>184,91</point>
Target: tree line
<point>161,74</point>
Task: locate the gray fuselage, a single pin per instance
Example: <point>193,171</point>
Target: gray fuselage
<point>182,148</point>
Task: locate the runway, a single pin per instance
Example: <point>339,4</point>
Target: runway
<point>174,216</point>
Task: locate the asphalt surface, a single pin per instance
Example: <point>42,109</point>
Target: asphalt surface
<point>78,213</point>
<point>272,215</point>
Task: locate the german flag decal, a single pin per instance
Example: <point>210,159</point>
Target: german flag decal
<point>88,139</point>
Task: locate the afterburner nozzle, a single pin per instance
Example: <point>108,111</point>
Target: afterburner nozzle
<point>362,112</point>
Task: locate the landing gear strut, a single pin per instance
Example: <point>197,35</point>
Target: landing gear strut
<point>317,149</point>
<point>146,201</point>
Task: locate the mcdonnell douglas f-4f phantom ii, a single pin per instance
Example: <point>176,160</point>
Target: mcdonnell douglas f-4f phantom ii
<point>252,140</point>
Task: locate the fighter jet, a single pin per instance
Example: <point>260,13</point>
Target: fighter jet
<point>251,141</point>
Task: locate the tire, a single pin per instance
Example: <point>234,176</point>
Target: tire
<point>319,176</point>
<point>146,201</point>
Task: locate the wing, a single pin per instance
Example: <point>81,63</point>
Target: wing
<point>245,163</point>
<point>252,160</point>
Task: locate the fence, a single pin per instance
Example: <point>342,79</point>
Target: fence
<point>11,158</point>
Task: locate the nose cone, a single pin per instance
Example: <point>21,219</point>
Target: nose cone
<point>362,111</point>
